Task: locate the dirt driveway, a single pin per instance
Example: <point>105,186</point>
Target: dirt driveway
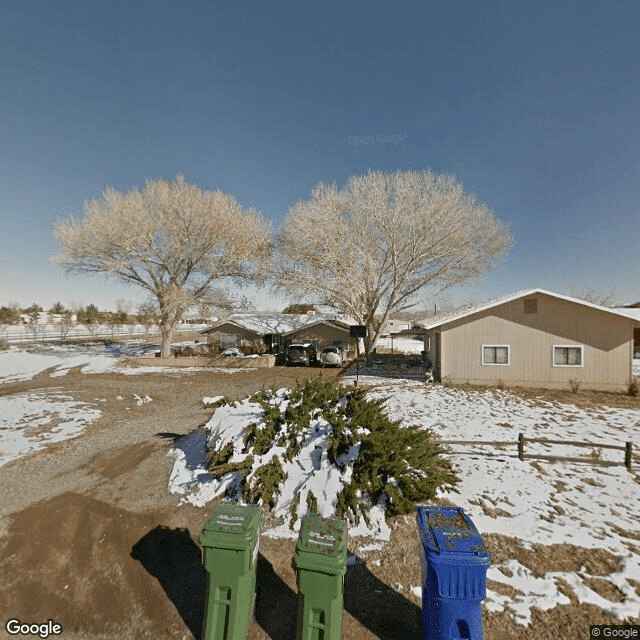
<point>91,538</point>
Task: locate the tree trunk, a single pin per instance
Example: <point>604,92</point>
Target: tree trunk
<point>166,334</point>
<point>370,342</point>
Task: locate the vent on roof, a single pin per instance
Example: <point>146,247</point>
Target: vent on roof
<point>531,305</point>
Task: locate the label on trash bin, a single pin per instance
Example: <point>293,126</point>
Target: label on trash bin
<point>319,539</point>
<point>234,521</point>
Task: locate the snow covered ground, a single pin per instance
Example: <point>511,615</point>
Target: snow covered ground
<point>20,363</point>
<point>402,344</point>
<point>29,421</point>
<point>534,501</point>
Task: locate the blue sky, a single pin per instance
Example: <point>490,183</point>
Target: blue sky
<point>533,105</point>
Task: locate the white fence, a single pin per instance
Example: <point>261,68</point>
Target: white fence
<point>23,334</point>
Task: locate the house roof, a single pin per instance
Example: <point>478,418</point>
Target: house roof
<point>630,312</point>
<point>341,324</point>
<point>462,312</point>
<point>279,323</point>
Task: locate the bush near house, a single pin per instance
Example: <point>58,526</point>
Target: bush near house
<point>380,461</point>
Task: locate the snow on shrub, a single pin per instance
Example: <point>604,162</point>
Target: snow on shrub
<point>323,449</point>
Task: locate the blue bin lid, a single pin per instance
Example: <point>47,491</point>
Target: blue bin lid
<point>448,530</point>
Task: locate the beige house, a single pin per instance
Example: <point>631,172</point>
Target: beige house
<point>533,338</point>
<point>272,332</point>
<point>322,333</point>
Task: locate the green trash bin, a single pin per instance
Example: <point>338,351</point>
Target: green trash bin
<point>229,542</point>
<point>321,562</point>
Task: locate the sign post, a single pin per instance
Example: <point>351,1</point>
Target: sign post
<point>357,331</point>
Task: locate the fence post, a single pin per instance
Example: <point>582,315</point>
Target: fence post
<point>521,446</point>
<point>627,455</point>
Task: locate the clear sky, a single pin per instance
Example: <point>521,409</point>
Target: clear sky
<point>534,106</point>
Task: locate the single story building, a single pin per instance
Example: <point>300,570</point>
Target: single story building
<point>533,338</point>
<point>321,333</point>
<point>272,332</point>
<point>633,311</point>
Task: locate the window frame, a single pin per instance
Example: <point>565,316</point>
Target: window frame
<point>495,364</point>
<point>567,346</point>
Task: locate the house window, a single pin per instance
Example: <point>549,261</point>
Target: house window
<point>567,356</point>
<point>495,354</point>
<point>229,340</point>
<point>531,305</point>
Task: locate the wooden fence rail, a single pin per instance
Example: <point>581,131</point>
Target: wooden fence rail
<point>627,448</point>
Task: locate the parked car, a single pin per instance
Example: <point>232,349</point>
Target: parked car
<point>232,353</point>
<point>331,356</point>
<point>304,354</point>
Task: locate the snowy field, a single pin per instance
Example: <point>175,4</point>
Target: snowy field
<point>18,363</point>
<point>30,420</point>
<point>534,501</point>
<point>401,345</point>
<point>587,505</point>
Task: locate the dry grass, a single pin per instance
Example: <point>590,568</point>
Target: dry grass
<point>583,398</point>
<point>503,589</point>
<point>398,563</point>
<point>564,621</point>
<point>542,559</point>
<point>604,588</point>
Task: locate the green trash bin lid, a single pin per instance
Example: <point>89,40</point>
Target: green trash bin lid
<point>322,545</point>
<point>231,526</point>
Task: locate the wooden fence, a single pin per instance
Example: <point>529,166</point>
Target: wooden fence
<point>627,448</point>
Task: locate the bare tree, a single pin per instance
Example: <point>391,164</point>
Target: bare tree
<point>373,246</point>
<point>596,297</point>
<point>123,307</point>
<point>174,240</point>
<point>63,324</point>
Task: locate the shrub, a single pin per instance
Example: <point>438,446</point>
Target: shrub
<point>225,400</point>
<point>574,384</point>
<point>4,344</point>
<point>294,511</point>
<point>266,481</point>
<point>312,503</point>
<point>389,464</point>
<point>9,315</point>
<point>633,388</point>
<point>403,463</point>
<point>219,463</point>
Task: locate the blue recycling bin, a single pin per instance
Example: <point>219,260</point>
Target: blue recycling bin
<point>454,574</point>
